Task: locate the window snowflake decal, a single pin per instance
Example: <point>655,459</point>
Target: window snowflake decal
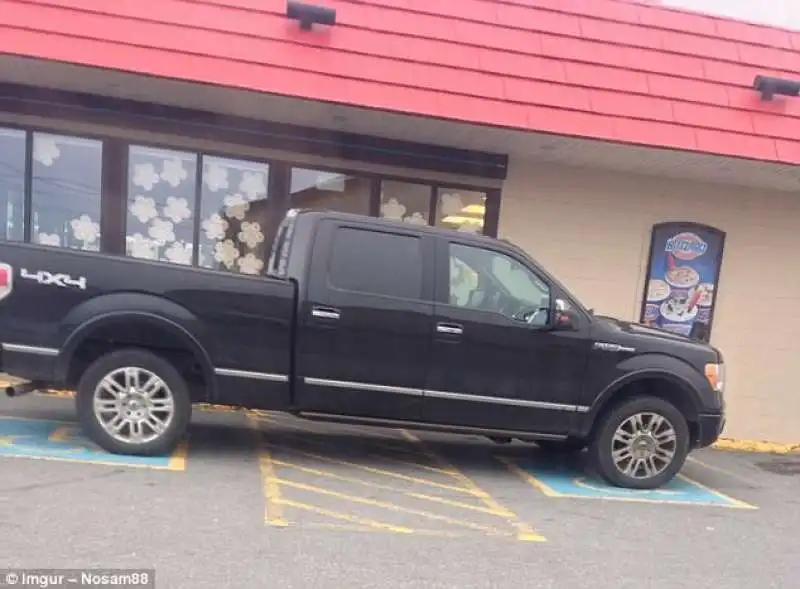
<point>392,209</point>
<point>251,234</point>
<point>173,172</point>
<point>139,246</point>
<point>225,252</point>
<point>216,177</point>
<point>177,209</point>
<point>451,204</point>
<point>162,231</point>
<point>416,219</point>
<point>85,230</point>
<point>215,227</point>
<point>250,264</point>
<point>143,208</point>
<point>253,185</point>
<point>45,149</point>
<point>145,176</point>
<point>179,252</point>
<point>48,239</point>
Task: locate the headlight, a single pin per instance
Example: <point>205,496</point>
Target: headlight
<point>715,373</point>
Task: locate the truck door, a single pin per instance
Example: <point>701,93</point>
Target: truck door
<point>490,367</point>
<point>365,325</point>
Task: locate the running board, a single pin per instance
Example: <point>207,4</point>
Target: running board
<point>433,427</point>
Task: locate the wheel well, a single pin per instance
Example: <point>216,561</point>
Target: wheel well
<point>157,339</point>
<point>661,388</point>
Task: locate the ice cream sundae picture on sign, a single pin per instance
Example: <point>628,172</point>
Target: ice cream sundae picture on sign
<point>682,277</point>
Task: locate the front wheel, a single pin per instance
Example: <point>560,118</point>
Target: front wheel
<point>640,444</point>
<point>133,402</point>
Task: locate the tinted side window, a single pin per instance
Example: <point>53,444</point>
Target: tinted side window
<point>375,262</point>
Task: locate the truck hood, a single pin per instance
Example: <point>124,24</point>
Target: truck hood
<point>636,333</point>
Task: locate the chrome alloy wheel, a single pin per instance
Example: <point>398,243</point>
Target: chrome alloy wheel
<point>133,405</point>
<point>644,445</point>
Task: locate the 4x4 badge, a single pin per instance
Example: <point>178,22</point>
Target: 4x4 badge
<point>6,280</point>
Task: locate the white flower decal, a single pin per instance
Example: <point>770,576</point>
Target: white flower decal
<point>225,252</point>
<point>179,253</point>
<point>250,264</point>
<point>45,150</point>
<point>173,172</point>
<point>253,184</point>
<point>416,219</point>
<point>145,176</point>
<point>177,209</point>
<point>469,228</point>
<point>216,177</point>
<point>215,227</point>
<point>139,246</point>
<point>143,208</point>
<point>162,231</point>
<point>85,230</point>
<point>251,234</point>
<point>392,209</point>
<point>48,239</point>
<point>236,206</point>
<point>451,204</point>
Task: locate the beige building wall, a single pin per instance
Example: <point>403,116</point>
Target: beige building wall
<point>592,230</point>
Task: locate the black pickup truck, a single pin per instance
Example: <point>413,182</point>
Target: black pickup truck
<point>358,320</point>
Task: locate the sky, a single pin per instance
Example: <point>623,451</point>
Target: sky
<point>781,13</point>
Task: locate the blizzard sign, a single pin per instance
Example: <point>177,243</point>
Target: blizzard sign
<point>686,246</point>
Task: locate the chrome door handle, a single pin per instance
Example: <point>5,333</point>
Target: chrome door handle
<point>449,328</point>
<point>325,313</point>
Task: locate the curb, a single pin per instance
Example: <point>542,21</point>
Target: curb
<point>726,444</point>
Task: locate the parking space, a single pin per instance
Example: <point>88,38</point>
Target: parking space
<point>367,479</point>
<point>305,504</point>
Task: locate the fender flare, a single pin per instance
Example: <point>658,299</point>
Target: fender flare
<point>85,330</point>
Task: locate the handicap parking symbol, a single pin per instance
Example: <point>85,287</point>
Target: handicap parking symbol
<point>57,440</point>
<point>567,479</point>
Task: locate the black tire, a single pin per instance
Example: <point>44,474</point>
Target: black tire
<point>600,449</point>
<point>569,446</point>
<point>164,443</point>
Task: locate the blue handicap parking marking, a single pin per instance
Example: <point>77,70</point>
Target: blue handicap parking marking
<point>569,480</point>
<point>58,440</point>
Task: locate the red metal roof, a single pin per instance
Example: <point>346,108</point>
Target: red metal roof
<point>606,69</point>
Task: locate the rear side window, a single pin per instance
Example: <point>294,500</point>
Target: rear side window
<point>374,262</point>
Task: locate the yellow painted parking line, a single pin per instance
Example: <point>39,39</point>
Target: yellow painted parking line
<point>373,470</point>
<point>365,528</point>
<point>62,434</point>
<point>525,532</point>
<point>528,477</point>
<point>346,517</point>
<point>355,481</point>
<point>388,505</point>
<point>272,492</point>
<point>309,425</point>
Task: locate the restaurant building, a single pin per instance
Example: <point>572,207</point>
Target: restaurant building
<point>622,144</point>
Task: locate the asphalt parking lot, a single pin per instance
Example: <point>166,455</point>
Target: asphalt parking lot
<point>269,500</point>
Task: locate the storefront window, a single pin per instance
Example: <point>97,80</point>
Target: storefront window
<point>161,198</point>
<point>403,201</point>
<point>234,215</point>
<point>463,210</point>
<point>12,183</point>
<point>66,191</point>
<point>332,191</point>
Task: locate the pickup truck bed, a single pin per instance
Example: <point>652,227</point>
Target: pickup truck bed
<point>360,320</point>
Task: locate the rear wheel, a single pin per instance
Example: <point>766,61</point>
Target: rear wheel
<point>641,443</point>
<point>134,402</point>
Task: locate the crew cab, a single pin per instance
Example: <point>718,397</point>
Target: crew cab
<point>365,321</point>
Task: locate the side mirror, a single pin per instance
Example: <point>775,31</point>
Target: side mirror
<point>565,318</point>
